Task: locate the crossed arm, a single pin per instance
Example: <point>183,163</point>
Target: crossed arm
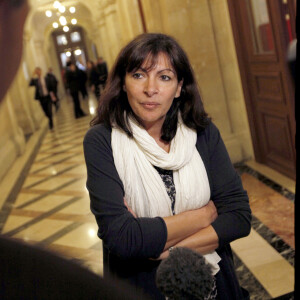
<point>191,229</point>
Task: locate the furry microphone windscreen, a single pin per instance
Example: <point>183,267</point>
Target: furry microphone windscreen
<point>185,275</point>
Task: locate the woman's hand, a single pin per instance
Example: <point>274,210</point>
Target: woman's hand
<point>187,223</point>
<point>209,212</point>
<point>206,214</point>
<point>129,209</point>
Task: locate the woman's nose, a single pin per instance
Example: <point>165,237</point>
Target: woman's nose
<point>150,87</point>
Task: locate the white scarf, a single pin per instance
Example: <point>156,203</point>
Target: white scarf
<point>145,191</point>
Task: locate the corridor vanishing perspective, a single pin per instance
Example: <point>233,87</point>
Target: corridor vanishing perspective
<point>52,210</point>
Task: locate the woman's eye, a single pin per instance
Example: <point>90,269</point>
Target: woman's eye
<point>137,75</point>
<point>165,77</point>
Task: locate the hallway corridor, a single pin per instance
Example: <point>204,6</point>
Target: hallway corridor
<point>52,210</point>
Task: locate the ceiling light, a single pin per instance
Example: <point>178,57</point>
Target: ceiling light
<point>56,4</point>
<point>68,53</point>
<point>72,9</point>
<point>55,25</point>
<point>62,20</point>
<point>77,52</point>
<point>62,9</point>
<point>74,21</point>
<point>48,13</point>
<point>65,28</point>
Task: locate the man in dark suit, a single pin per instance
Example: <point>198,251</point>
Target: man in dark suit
<point>51,78</point>
<point>73,82</point>
<point>43,92</point>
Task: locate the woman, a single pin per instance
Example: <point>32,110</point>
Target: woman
<point>159,175</point>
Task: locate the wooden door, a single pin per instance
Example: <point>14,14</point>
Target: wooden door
<point>262,31</point>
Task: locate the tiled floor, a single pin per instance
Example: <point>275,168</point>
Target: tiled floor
<point>52,210</point>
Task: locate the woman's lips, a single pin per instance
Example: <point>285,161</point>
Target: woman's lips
<point>150,105</point>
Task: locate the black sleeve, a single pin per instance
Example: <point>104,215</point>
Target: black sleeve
<point>122,234</point>
<point>230,199</point>
<point>33,82</point>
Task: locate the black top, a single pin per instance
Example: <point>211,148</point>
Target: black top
<point>129,242</point>
<point>38,87</point>
<point>73,80</point>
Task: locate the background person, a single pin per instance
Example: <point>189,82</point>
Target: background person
<point>44,92</point>
<point>93,78</point>
<point>83,80</point>
<point>54,83</point>
<point>73,79</point>
<point>159,175</point>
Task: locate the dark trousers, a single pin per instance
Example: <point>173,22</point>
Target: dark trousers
<point>77,109</point>
<point>83,91</point>
<point>56,103</point>
<point>46,105</point>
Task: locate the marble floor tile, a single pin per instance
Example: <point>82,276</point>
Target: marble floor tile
<point>41,230</point>
<point>13,222</point>
<point>278,277</point>
<point>80,169</point>
<point>79,185</point>
<point>52,169</point>
<point>81,207</point>
<point>258,256</point>
<point>83,237</point>
<point>24,198</point>
<point>282,180</point>
<point>30,180</point>
<point>52,183</point>
<point>47,203</point>
<point>271,208</point>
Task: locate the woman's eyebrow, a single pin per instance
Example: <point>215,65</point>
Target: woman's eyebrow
<point>163,70</point>
<point>160,71</point>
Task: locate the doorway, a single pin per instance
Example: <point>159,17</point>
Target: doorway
<point>262,30</point>
<point>70,46</point>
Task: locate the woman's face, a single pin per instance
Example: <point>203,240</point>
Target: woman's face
<point>151,92</point>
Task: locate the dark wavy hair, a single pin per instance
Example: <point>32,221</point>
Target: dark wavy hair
<point>113,101</point>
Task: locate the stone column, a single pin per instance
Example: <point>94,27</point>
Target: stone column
<point>114,42</point>
<point>12,140</point>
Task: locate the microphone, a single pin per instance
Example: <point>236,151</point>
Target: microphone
<point>186,275</point>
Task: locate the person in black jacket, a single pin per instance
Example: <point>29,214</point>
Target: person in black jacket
<point>73,79</point>
<point>93,78</point>
<point>44,92</point>
<point>83,80</point>
<point>158,173</point>
<point>54,83</point>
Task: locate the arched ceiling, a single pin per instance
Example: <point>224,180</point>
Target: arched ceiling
<point>40,25</point>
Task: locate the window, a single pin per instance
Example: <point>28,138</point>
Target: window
<point>61,39</point>
<point>262,35</point>
<point>75,36</point>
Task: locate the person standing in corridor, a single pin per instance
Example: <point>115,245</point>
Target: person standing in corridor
<point>44,92</point>
<point>102,70</point>
<point>73,82</point>
<point>54,83</point>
